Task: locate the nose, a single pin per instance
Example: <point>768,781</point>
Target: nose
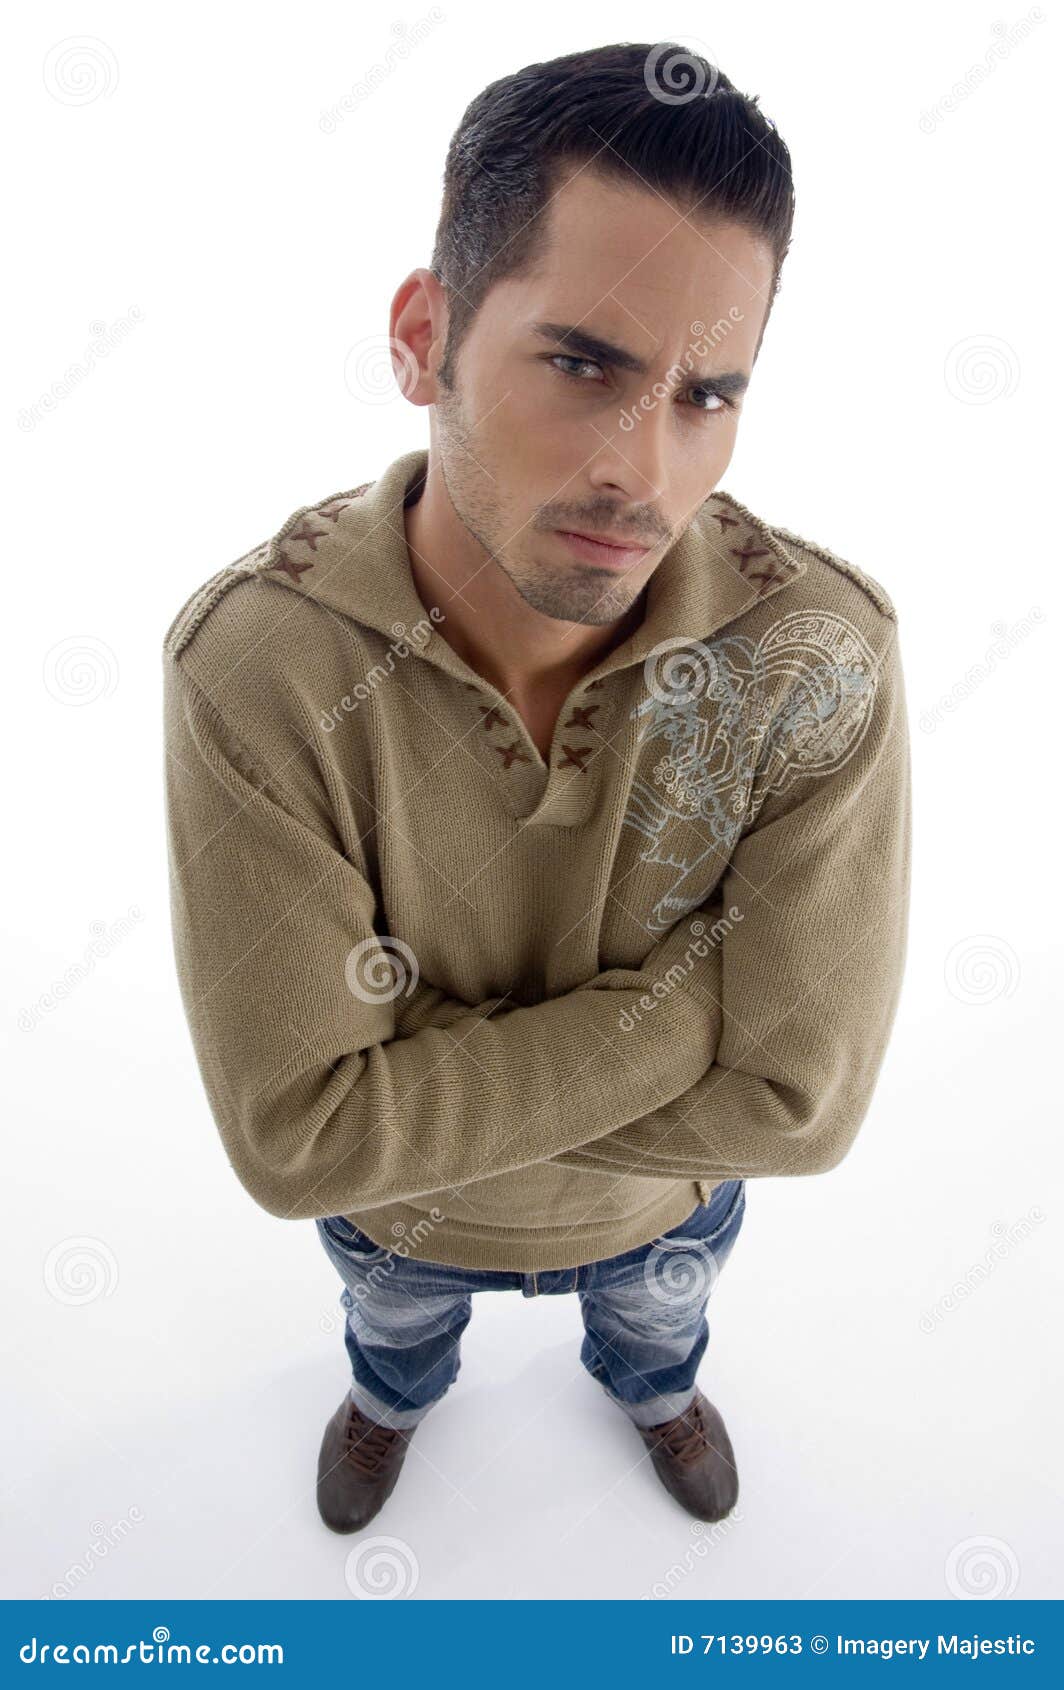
<point>630,461</point>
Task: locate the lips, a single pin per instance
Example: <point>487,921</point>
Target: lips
<point>611,554</point>
<point>618,540</point>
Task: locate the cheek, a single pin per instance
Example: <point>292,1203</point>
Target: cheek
<point>711,454</point>
<point>551,445</point>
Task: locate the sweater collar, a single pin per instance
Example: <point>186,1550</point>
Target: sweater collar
<point>349,553</point>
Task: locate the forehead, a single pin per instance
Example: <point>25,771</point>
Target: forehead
<point>636,263</point>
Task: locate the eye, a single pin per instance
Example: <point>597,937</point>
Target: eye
<point>721,405</point>
<point>571,358</point>
<point>725,404</point>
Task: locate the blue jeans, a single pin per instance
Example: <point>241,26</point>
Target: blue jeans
<point>645,1330</point>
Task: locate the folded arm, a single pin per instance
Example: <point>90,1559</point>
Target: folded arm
<point>291,1005</point>
<point>801,990</point>
<point>796,961</point>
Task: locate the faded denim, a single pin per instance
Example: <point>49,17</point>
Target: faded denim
<point>645,1328</point>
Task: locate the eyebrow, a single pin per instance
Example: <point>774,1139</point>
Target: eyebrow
<point>583,344</point>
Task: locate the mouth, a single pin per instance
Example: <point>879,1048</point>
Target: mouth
<point>610,554</point>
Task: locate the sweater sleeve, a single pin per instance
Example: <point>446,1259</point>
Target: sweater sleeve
<point>290,998</point>
<point>801,982</point>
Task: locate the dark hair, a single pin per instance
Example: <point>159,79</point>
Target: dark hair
<point>706,147</point>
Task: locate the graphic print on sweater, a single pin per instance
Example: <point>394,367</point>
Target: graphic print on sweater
<point>732,715</point>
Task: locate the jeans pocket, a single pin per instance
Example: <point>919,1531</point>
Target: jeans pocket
<point>713,1225</point>
<point>682,1266</point>
<point>351,1240</point>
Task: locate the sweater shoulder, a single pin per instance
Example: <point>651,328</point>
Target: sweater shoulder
<point>260,600</point>
<point>204,599</point>
<point>818,560</point>
<point>819,557</point>
<point>259,663</point>
<point>260,657</point>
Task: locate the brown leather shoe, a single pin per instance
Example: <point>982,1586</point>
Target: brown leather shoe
<point>693,1457</point>
<point>358,1464</point>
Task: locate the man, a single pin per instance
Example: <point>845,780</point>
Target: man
<point>539,817</point>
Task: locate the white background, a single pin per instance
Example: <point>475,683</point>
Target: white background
<point>905,412</point>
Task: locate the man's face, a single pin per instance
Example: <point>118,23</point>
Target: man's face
<point>538,437</point>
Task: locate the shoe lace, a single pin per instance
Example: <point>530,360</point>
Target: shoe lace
<point>367,1443</point>
<point>684,1436</point>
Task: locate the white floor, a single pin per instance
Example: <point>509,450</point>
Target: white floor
<point>162,1435</point>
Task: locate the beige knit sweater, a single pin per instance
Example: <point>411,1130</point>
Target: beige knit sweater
<point>516,1014</point>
